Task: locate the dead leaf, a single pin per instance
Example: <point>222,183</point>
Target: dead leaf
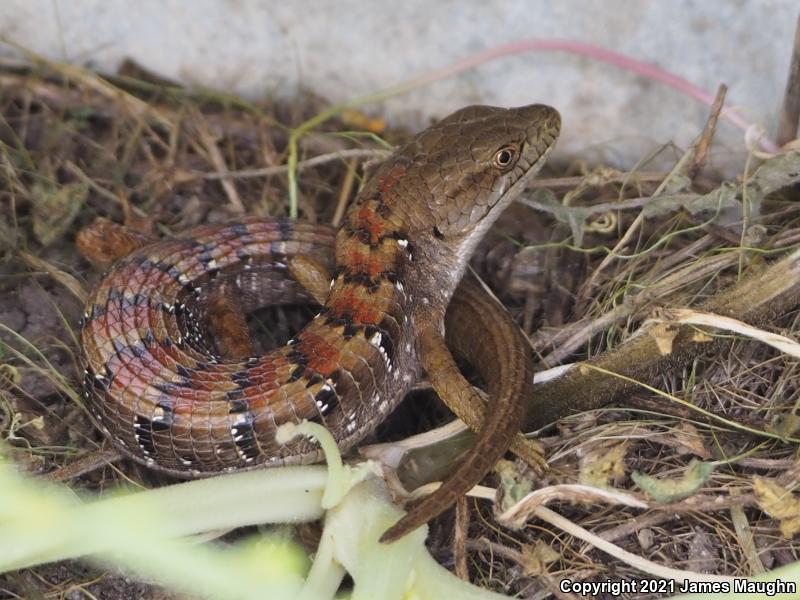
<point>686,440</point>
<point>602,468</point>
<point>785,425</point>
<point>9,376</point>
<point>700,337</point>
<point>55,207</point>
<point>645,537</point>
<point>514,485</point>
<point>775,174</point>
<point>663,335</point>
<point>537,557</point>
<point>360,120</point>
<point>779,503</point>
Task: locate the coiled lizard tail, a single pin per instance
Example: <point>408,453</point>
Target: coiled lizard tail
<point>164,392</point>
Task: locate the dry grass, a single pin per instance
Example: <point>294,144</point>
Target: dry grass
<point>74,147</point>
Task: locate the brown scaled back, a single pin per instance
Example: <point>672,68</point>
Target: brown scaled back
<point>159,390</point>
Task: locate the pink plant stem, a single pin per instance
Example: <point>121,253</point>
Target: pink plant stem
<point>596,53</point>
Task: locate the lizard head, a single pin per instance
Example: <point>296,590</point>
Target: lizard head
<point>464,171</point>
<point>477,160</point>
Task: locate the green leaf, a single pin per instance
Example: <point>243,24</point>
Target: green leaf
<point>672,490</point>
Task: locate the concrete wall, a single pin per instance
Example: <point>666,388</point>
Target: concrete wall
<point>350,48</point>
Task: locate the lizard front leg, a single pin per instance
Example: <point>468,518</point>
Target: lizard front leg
<point>509,382</point>
<point>476,307</point>
<point>473,313</point>
<point>471,307</point>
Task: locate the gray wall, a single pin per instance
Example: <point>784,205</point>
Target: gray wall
<point>346,49</point>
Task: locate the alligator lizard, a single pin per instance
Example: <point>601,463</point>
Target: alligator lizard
<point>160,390</point>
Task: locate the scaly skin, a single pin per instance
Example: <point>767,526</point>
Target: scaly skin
<point>161,393</point>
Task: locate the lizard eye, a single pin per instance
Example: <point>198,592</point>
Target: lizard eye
<point>504,157</point>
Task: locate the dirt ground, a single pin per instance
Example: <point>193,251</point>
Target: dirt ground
<point>78,147</point>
